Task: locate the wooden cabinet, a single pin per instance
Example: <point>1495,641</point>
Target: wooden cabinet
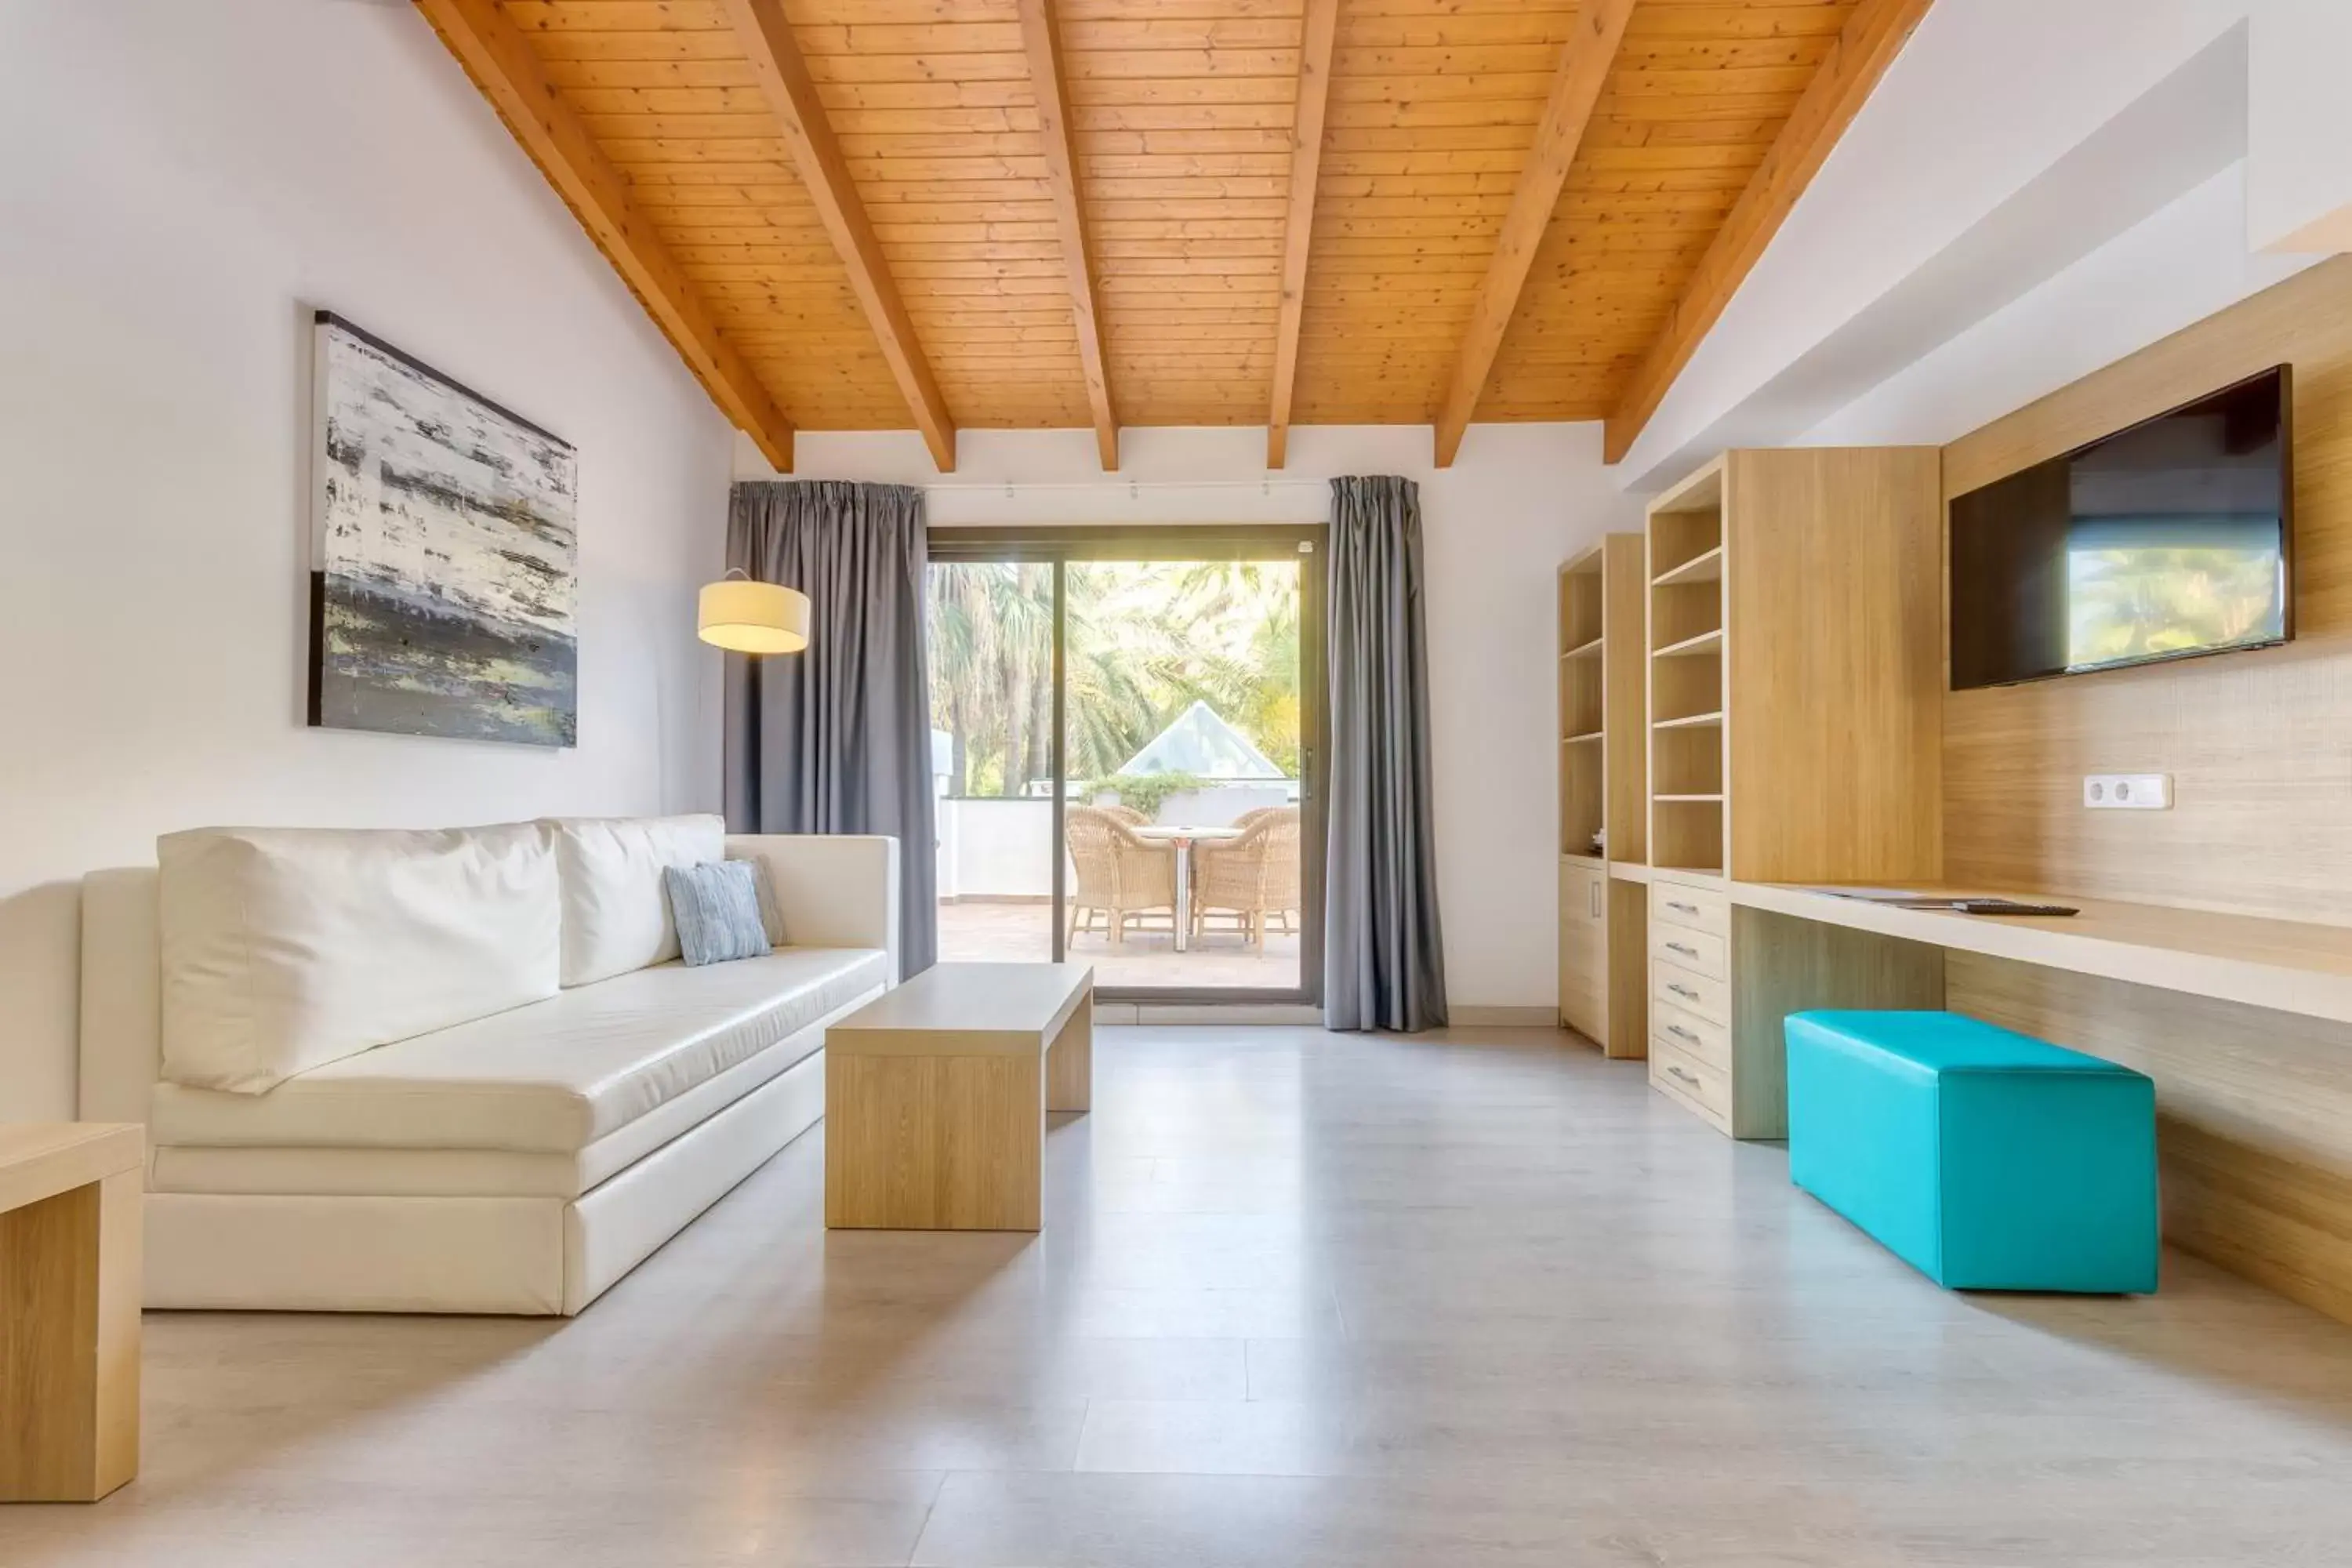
<point>1584,947</point>
<point>1794,652</point>
<point>1603,798</point>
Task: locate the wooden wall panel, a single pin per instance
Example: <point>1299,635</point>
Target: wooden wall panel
<point>1833,764</point>
<point>2255,741</point>
<point>2254,1114</point>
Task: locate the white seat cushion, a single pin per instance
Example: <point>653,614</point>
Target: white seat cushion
<point>553,1078</point>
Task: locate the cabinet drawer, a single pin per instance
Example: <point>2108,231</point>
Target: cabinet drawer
<point>1687,1078</point>
<point>1692,1035</point>
<point>1693,906</point>
<point>1694,993</point>
<point>1688,948</point>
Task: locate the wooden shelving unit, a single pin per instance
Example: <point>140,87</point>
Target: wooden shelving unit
<point>1604,800</point>
<point>1792,655</point>
<point>1685,669</point>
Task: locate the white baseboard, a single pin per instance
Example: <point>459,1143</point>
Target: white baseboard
<point>1296,1013</point>
<point>1460,1016</point>
<point>1195,1012</point>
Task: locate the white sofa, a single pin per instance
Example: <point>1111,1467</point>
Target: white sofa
<point>551,1128</point>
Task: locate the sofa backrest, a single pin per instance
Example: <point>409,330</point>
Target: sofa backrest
<point>285,949</point>
<point>616,914</point>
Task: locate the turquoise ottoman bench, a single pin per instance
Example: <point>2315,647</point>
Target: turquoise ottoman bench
<point>1986,1159</point>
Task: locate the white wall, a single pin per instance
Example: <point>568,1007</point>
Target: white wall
<point>2299,192</point>
<point>1985,97</point>
<point>1496,526</point>
<point>182,185</point>
<point>2184,264</point>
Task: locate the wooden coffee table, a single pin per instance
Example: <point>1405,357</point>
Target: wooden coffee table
<point>69,1295</point>
<point>934,1096</point>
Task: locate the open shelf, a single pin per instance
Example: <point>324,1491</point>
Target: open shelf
<point>1585,651</point>
<point>1706,643</point>
<point>1686,831</point>
<point>1703,567</point>
<point>1579,740</point>
<point>1692,722</point>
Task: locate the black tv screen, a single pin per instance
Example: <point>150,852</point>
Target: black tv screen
<point>2165,541</point>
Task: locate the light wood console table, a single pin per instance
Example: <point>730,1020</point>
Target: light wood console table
<point>936,1094</point>
<point>69,1295</point>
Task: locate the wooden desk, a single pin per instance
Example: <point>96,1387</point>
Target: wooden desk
<point>2242,1022</point>
<point>2287,966</point>
<point>936,1094</point>
<point>70,1294</point>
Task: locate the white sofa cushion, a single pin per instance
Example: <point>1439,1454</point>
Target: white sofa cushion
<point>287,949</point>
<point>553,1078</point>
<point>480,1173</point>
<point>616,915</point>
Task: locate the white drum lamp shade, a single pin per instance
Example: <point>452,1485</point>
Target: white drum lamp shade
<point>744,616</point>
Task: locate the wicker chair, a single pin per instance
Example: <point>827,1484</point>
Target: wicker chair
<point>1253,878</point>
<point>1126,814</point>
<point>1121,876</point>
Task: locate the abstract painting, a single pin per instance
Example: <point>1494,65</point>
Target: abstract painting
<point>445,568</point>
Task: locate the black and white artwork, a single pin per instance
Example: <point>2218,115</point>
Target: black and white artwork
<point>443,577</point>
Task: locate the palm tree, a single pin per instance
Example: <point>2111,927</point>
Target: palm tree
<point>1144,640</point>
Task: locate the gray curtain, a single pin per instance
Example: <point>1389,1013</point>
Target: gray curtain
<point>838,739</point>
<point>1383,967</point>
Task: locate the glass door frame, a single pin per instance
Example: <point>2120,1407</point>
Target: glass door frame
<point>1058,544</point>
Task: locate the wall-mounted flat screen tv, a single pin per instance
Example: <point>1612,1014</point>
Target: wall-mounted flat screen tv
<point>2168,539</point>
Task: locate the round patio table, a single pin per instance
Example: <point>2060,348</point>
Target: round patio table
<point>1183,839</point>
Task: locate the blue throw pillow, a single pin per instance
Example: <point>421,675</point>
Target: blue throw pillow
<point>716,907</point>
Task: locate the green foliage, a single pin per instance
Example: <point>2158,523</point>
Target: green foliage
<point>2133,602</point>
<point>1144,792</point>
<point>1144,641</point>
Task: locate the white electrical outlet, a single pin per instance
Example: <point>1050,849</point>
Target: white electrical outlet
<point>2127,792</point>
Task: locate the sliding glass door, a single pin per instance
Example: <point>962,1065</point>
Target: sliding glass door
<point>1126,736</point>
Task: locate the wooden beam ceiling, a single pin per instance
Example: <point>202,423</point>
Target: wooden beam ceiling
<point>782,73</point>
<point>1873,34</point>
<point>1584,64</point>
<point>1321,24</point>
<point>1044,48</point>
<point>502,65</point>
<point>1242,211</point>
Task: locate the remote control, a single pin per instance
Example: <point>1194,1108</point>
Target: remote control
<point>2009,907</point>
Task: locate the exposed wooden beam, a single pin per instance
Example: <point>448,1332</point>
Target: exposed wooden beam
<point>1584,64</point>
<point>502,64</point>
<point>1044,45</point>
<point>1873,34</point>
<point>1298,220</point>
<point>766,36</point>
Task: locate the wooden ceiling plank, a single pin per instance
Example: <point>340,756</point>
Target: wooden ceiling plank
<point>1298,222</point>
<point>1049,83</point>
<point>1575,90</point>
<point>502,64</point>
<point>1873,34</point>
<point>767,37</point>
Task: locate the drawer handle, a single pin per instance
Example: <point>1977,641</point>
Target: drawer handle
<point>1686,952</point>
<point>1687,1077</point>
<point>1680,1033</point>
<point>1682,991</point>
<point>1678,904</point>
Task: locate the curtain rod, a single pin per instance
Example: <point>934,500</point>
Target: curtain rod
<point>1112,481</point>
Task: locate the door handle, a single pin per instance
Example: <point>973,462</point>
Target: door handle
<point>1593,900</point>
